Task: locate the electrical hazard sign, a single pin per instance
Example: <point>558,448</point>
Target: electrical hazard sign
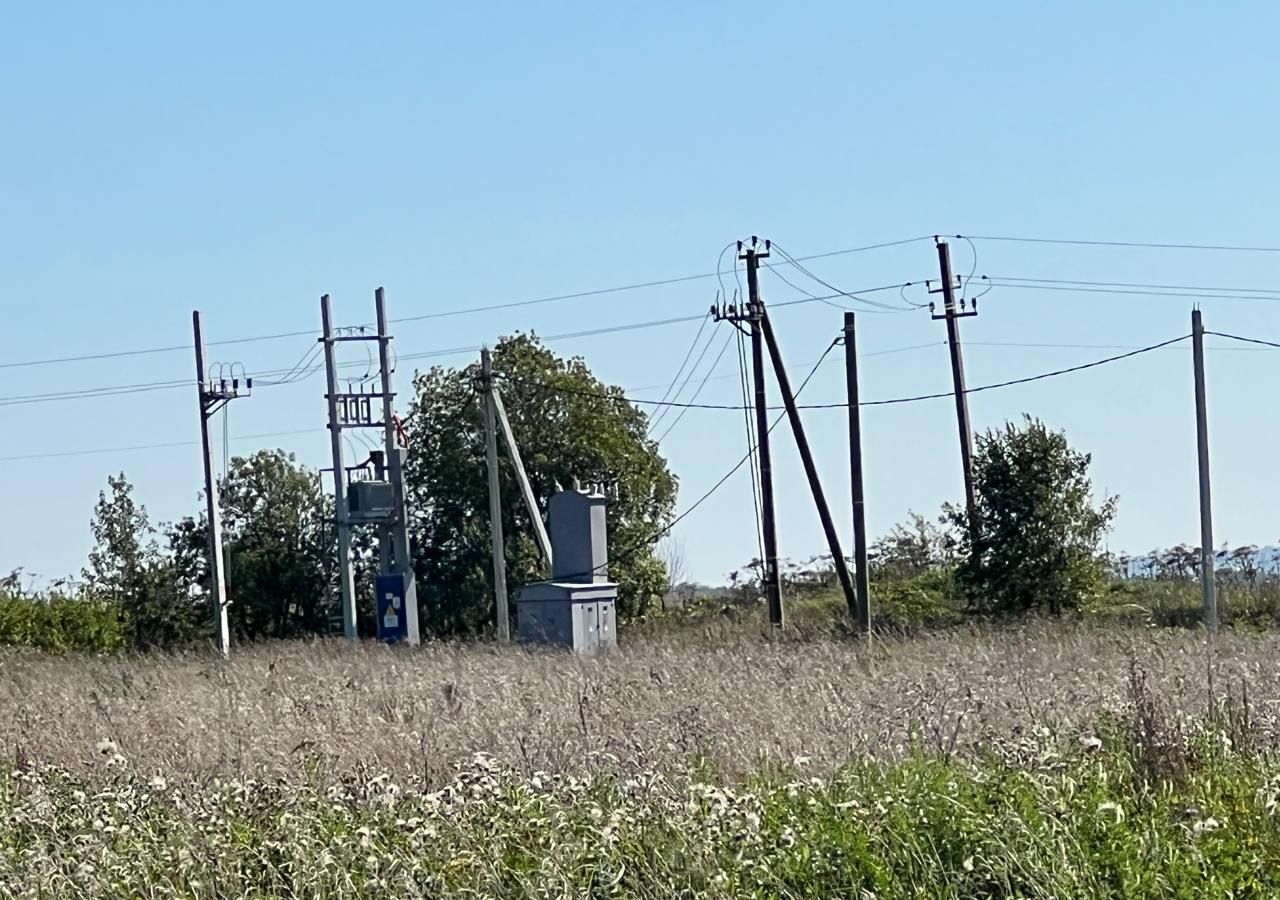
<point>392,626</point>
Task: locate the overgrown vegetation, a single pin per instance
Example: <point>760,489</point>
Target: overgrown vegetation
<point>994,764</point>
<point>57,620</point>
<point>280,542</point>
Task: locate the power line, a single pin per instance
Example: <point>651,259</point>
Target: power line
<point>1133,284</point>
<point>1246,340</point>
<point>1015,381</point>
<point>688,355</point>
<point>642,285</point>
<point>1000,281</point>
<point>973,390</point>
<point>661,532</point>
<point>816,366</point>
<point>145,387</point>
<point>56,454</point>
<point>1143,244</point>
<point>698,391</point>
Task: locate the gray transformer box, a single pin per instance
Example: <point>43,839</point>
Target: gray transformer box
<point>577,607</point>
<point>577,616</point>
<point>370,501</point>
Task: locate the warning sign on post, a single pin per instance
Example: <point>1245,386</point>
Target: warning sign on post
<point>391,612</point>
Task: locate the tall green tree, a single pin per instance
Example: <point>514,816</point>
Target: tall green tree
<point>1035,540</point>
<point>130,568</point>
<point>569,425</point>
<point>279,540</point>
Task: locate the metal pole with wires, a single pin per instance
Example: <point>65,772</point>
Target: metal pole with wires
<point>753,314</point>
<point>952,317</point>
<point>213,395</point>
<point>346,578</point>
<point>1208,588</point>
<point>501,603</point>
<point>861,575</point>
<point>810,468</point>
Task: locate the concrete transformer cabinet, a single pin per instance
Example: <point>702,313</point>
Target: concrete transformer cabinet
<point>576,607</point>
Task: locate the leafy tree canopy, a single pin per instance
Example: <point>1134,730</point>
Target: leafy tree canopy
<point>568,425</point>
<point>1035,540</point>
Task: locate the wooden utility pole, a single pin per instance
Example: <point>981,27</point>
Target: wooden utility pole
<point>952,316</point>
<point>862,580</point>
<point>810,469</point>
<point>751,255</point>
<point>210,396</point>
<point>346,579</point>
<point>1207,558</point>
<point>495,497</point>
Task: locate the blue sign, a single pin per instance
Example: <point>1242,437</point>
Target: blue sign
<point>392,615</point>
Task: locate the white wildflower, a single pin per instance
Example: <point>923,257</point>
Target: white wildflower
<point>1209,824</point>
<point>1111,809</point>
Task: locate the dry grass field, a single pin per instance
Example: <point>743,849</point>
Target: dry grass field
<point>1045,761</point>
<point>734,700</point>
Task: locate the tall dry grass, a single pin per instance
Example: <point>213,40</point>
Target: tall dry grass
<point>733,700</point>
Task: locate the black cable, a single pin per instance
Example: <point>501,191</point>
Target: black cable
<point>698,391</point>
<point>1014,381</point>
<point>1146,244</point>
<point>840,293</point>
<point>747,409</point>
<point>1194,295</point>
<point>1246,340</point>
<point>1135,284</point>
<point>661,532</point>
<point>973,390</point>
<point>688,355</point>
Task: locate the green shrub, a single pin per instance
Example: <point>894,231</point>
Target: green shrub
<point>59,623</point>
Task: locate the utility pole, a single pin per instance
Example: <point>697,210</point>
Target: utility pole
<point>346,580</point>
<point>753,313</point>
<point>517,463</point>
<point>399,524</point>
<point>213,396</point>
<point>952,315</point>
<point>1207,557</point>
<point>495,497</point>
<point>861,575</point>
<point>810,469</point>
<point>378,458</point>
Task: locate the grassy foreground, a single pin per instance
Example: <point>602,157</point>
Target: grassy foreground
<point>1114,817</point>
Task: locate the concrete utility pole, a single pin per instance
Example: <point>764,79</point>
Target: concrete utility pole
<point>399,524</point>
<point>346,580</point>
<point>526,489</point>
<point>212,397</point>
<point>753,313</point>
<point>957,369</point>
<point>1208,590</point>
<point>495,498</point>
<point>861,575</point>
<point>810,468</point>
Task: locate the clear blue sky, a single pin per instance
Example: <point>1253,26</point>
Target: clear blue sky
<point>245,159</point>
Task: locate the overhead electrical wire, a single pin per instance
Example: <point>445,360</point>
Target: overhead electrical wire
<point>642,285</point>
<point>745,406</point>
<point>125,389</point>
<point>57,454</point>
<point>795,261</point>
<point>1152,245</point>
<point>666,529</point>
<point>1247,340</point>
<point>1136,290</point>
<point>747,409</point>
<point>912,399</point>
<point>684,362</point>
<point>698,391</point>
